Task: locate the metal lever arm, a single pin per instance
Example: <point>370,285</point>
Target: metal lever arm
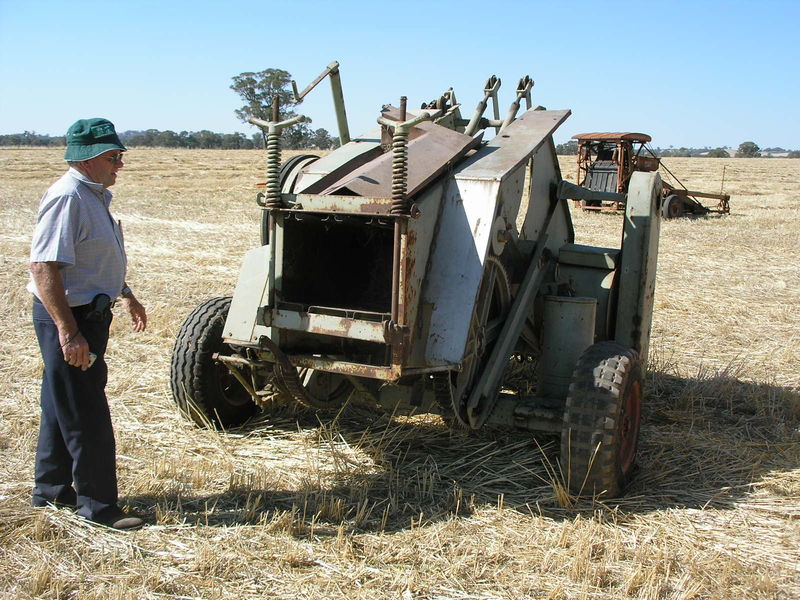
<point>338,98</point>
<point>489,91</point>
<point>484,395</point>
<point>523,91</point>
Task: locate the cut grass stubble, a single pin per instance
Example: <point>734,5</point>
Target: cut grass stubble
<point>358,506</point>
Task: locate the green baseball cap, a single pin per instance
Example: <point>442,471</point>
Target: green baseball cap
<point>87,138</point>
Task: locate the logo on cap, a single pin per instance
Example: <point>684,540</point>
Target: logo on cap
<point>103,130</point>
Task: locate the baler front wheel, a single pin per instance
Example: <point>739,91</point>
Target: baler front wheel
<point>205,390</point>
<point>600,432</point>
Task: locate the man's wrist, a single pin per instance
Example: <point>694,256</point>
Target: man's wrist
<point>126,291</point>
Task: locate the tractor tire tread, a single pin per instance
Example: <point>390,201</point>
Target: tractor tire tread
<point>590,428</point>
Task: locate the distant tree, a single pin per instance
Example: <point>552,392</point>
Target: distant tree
<point>794,154</point>
<point>167,139</point>
<point>567,148</point>
<point>31,138</point>
<point>748,150</point>
<point>206,139</point>
<point>322,140</point>
<point>682,151</point>
<point>258,89</point>
<point>718,153</point>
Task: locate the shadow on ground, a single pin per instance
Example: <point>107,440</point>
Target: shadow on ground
<point>705,443</point>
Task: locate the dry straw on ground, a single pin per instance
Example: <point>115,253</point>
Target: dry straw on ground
<point>364,507</point>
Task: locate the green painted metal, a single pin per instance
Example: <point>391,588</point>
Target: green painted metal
<point>568,325</point>
<point>638,262</point>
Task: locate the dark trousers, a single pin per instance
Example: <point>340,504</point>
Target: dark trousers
<point>76,453</point>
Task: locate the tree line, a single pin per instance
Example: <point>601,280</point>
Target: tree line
<point>204,139</point>
<point>745,150</point>
<point>301,138</point>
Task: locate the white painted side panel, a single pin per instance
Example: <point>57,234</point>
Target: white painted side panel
<point>466,224</point>
<point>250,291</point>
<point>546,174</point>
<point>460,249</point>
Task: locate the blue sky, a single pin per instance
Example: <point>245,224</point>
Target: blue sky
<point>703,73</point>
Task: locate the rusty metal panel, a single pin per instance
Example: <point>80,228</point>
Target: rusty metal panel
<point>612,137</point>
<point>346,368</point>
<point>419,237</point>
<point>342,204</point>
<point>432,150</point>
<point>357,329</point>
<point>336,164</point>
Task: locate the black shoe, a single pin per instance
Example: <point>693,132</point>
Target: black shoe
<point>115,518</point>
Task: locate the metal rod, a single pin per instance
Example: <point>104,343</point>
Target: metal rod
<point>722,184</point>
<point>338,98</point>
<point>230,362</point>
<point>489,91</point>
<point>396,271</point>
<point>338,105</point>
<point>523,91</point>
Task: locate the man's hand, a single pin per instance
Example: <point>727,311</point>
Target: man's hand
<point>50,286</point>
<point>136,311</point>
<point>75,349</point>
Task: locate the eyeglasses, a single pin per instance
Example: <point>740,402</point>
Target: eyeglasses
<point>114,159</point>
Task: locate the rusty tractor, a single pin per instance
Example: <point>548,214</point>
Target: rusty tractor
<point>407,269</point>
<point>606,162</point>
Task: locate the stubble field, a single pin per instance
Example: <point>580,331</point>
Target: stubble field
<point>291,507</point>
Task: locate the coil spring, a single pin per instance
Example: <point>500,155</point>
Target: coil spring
<point>273,195</point>
<point>400,205</point>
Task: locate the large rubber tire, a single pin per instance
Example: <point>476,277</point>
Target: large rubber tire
<point>672,207</point>
<point>204,390</point>
<point>600,432</point>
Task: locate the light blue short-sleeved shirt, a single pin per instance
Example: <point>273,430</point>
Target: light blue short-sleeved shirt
<point>75,229</point>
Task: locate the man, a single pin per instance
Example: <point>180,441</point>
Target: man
<point>78,266</point>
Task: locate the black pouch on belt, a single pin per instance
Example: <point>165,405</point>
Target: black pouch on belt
<point>99,309</point>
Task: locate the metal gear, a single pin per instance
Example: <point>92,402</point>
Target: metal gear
<point>451,388</point>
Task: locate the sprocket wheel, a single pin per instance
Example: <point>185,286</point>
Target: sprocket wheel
<point>452,388</point>
<point>312,388</point>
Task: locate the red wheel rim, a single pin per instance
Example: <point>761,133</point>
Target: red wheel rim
<point>629,426</point>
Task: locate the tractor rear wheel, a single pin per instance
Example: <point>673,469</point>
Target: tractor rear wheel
<point>672,207</point>
<point>205,390</point>
<point>600,432</point>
